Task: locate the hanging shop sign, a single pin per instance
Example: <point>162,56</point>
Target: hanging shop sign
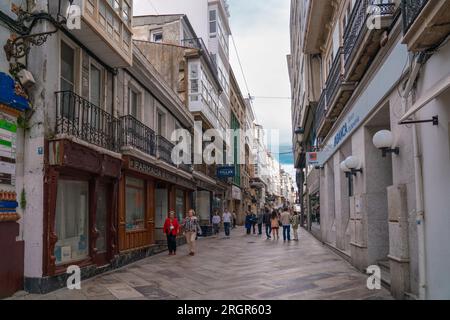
<point>236,193</point>
<point>226,172</point>
<point>313,158</point>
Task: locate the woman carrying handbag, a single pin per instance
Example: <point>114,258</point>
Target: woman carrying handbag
<point>191,228</point>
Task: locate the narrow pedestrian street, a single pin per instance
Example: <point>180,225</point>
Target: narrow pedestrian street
<point>239,268</point>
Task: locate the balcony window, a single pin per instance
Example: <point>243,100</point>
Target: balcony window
<point>90,6</point>
<point>126,38</point>
<point>116,6</point>
<point>109,22</point>
<point>67,67</point>
<point>212,23</point>
<point>102,13</point>
<point>133,101</point>
<point>116,26</point>
<point>95,86</point>
<point>161,123</point>
<point>126,12</point>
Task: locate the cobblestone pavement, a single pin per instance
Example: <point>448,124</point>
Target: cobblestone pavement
<point>242,267</point>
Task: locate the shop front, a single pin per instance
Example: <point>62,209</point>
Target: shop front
<point>81,186</point>
<point>207,199</point>
<point>147,194</point>
<point>12,105</point>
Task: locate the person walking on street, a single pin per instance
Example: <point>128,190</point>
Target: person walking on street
<point>171,230</point>
<point>191,228</point>
<point>260,220</point>
<point>216,220</point>
<point>234,220</point>
<point>286,222</point>
<point>227,217</point>
<point>275,223</point>
<point>254,221</point>
<point>295,221</point>
<point>248,223</point>
<point>268,224</point>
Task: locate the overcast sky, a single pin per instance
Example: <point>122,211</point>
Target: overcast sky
<point>261,32</point>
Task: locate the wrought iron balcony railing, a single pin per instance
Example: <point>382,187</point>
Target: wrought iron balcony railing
<point>321,111</point>
<point>79,118</point>
<point>165,148</point>
<point>334,77</point>
<point>410,11</point>
<point>135,134</point>
<point>358,22</point>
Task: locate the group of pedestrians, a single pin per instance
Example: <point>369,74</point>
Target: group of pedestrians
<point>273,220</point>
<point>190,228</point>
<point>281,218</point>
<point>228,219</point>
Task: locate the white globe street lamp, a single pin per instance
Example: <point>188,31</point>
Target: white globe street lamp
<point>344,167</point>
<point>352,163</point>
<point>384,140</point>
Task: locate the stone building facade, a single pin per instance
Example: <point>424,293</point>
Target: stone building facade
<point>375,63</point>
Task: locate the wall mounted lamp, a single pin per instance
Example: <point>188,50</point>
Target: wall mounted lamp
<point>351,166</point>
<point>300,133</point>
<point>384,140</point>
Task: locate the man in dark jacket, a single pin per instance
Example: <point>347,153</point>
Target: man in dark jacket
<point>260,221</point>
<point>267,223</point>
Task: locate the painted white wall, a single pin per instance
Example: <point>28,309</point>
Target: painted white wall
<point>435,146</point>
<point>196,11</point>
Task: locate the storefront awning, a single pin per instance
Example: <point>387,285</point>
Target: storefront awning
<point>430,95</point>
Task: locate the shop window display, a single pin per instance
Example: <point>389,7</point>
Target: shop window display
<point>135,204</point>
<point>71,221</point>
<point>179,202</point>
<point>161,204</point>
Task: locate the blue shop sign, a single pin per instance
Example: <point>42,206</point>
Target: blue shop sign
<point>226,172</point>
<point>8,205</point>
<point>8,95</point>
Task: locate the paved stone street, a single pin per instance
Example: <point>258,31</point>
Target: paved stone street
<point>243,267</point>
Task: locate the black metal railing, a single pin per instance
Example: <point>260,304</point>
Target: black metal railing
<point>410,11</point>
<point>79,118</point>
<point>334,77</point>
<point>358,22</point>
<point>321,112</point>
<point>135,134</point>
<point>165,148</point>
<point>197,43</point>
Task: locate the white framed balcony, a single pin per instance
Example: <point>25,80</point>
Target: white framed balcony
<point>106,28</point>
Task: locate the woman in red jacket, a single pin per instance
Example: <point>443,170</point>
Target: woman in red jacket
<point>171,229</point>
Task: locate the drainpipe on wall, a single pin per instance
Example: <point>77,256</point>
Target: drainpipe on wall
<point>418,175</point>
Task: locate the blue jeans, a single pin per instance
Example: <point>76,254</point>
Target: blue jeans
<point>226,226</point>
<point>287,232</point>
<point>268,230</point>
